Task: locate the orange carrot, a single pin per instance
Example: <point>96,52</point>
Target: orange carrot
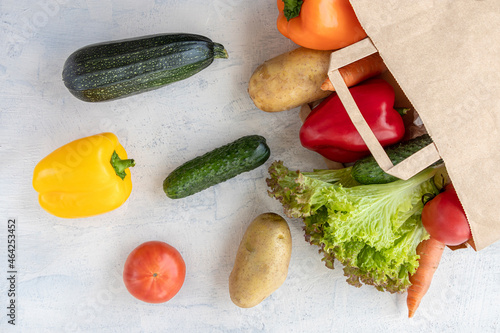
<point>358,71</point>
<point>430,252</point>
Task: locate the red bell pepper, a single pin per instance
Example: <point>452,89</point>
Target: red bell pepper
<point>329,131</point>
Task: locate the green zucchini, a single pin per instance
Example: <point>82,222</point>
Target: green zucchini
<point>216,166</point>
<point>117,69</point>
<point>367,170</point>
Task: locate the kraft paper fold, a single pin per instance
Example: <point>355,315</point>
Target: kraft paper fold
<point>445,56</point>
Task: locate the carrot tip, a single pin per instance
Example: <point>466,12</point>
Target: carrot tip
<point>327,86</point>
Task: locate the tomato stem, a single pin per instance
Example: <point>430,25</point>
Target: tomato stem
<point>427,197</point>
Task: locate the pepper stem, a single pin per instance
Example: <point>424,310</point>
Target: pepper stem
<point>120,165</point>
<point>402,111</point>
<point>292,8</point>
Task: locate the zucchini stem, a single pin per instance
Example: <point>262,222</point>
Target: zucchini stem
<point>220,51</point>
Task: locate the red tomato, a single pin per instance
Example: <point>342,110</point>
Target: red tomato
<point>154,272</point>
<point>444,218</point>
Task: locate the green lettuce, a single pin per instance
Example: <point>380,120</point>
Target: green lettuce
<point>373,230</point>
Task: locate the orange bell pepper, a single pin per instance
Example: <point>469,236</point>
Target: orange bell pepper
<point>319,24</point>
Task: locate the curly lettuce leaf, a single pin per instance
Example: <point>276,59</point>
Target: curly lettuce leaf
<point>300,193</point>
<point>373,230</point>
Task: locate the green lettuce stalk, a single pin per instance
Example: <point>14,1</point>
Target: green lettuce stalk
<point>373,230</point>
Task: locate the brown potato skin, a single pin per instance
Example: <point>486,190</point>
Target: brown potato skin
<point>261,264</point>
<point>290,80</point>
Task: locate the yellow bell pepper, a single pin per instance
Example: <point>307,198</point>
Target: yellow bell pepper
<point>85,177</point>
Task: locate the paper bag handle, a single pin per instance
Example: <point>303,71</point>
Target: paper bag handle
<point>406,168</point>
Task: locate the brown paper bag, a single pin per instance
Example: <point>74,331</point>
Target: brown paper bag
<point>445,56</point>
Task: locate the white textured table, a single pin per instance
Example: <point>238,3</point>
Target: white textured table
<point>69,271</point>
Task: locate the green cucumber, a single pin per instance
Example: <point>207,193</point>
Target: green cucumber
<point>216,166</point>
<point>117,69</point>
<point>367,170</point>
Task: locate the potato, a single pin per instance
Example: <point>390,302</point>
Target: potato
<point>261,264</point>
<point>290,80</point>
